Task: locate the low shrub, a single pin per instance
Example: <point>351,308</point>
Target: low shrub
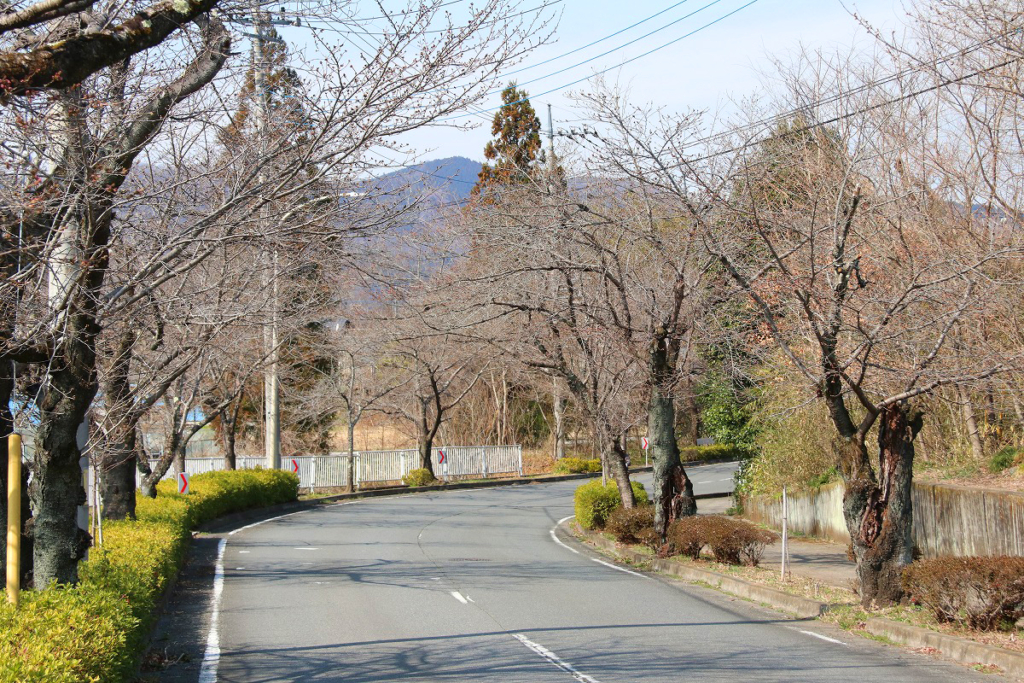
<point>96,631</point>
<point>629,526</point>
<point>1005,458</point>
<point>716,451</point>
<point>978,592</point>
<point>594,502</point>
<point>730,541</point>
<point>577,466</point>
<point>686,536</point>
<point>419,477</point>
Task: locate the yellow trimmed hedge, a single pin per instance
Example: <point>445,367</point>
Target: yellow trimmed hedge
<point>577,465</point>
<point>96,631</point>
<point>594,502</point>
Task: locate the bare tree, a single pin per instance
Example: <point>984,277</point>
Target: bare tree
<point>70,163</point>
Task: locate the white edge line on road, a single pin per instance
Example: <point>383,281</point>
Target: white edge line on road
<point>264,521</point>
<point>458,596</point>
<point>621,569</point>
<point>211,658</point>
<point>554,659</point>
<point>825,638</point>
<point>554,537</point>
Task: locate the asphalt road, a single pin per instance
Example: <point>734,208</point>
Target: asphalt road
<point>474,585</point>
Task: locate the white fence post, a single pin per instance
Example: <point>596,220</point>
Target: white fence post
<point>520,449</point>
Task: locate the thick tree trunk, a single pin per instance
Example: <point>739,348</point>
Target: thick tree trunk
<point>673,490</point>
<point>879,515</point>
<point>117,481</point>
<point>973,432</point>
<point>116,462</point>
<point>615,461</point>
<point>57,489</point>
<point>425,446</point>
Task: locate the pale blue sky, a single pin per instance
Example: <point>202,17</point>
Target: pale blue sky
<point>701,71</point>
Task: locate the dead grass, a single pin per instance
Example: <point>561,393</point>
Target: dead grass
<point>538,461</point>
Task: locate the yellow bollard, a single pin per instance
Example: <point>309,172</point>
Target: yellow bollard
<point>13,518</point>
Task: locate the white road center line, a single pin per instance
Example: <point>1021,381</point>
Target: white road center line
<point>458,596</point>
<point>307,548</point>
<point>825,638</point>
<point>211,658</point>
<point>554,659</point>
<point>621,569</point>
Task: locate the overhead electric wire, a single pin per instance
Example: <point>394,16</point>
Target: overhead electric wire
<point>624,45</point>
<point>330,22</point>
<point>847,115</point>
<point>614,66</point>
<point>599,40</point>
<point>857,90</point>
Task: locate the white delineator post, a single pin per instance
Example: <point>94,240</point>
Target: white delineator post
<point>785,531</point>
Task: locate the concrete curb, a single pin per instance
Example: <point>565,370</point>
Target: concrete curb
<point>958,649</point>
<point>800,607</point>
<point>229,522</point>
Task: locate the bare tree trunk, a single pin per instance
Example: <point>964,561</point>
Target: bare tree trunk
<point>351,454</point>
<point>558,408</point>
<point>615,459</point>
<point>973,433</point>
<point>673,490</point>
<point>879,516</point>
<point>229,426</point>
<point>425,441</point>
<point>117,457</point>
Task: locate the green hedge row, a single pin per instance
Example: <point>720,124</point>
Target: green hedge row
<point>595,502</point>
<point>96,631</point>
<point>577,465</point>
<point>718,451</point>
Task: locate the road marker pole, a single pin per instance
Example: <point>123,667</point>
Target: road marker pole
<point>785,531</point>
<point>13,519</point>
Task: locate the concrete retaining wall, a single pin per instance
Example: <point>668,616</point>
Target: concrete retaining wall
<point>948,520</point>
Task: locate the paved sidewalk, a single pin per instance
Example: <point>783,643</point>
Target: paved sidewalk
<point>816,560</point>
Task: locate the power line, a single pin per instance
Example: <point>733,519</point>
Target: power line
<point>328,27</point>
<point>859,89</point>
<point>620,47</point>
<point>842,117</point>
<point>615,66</point>
<point>599,40</point>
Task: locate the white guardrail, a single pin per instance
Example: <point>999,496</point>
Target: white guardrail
<point>331,470</point>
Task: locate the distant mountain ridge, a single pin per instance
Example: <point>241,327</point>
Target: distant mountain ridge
<point>445,181</point>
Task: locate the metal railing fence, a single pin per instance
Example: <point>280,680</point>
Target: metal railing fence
<point>377,467</point>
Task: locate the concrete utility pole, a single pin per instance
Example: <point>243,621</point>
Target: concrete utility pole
<point>271,385</point>
<point>260,22</point>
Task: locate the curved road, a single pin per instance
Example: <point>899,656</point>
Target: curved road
<point>474,586</point>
